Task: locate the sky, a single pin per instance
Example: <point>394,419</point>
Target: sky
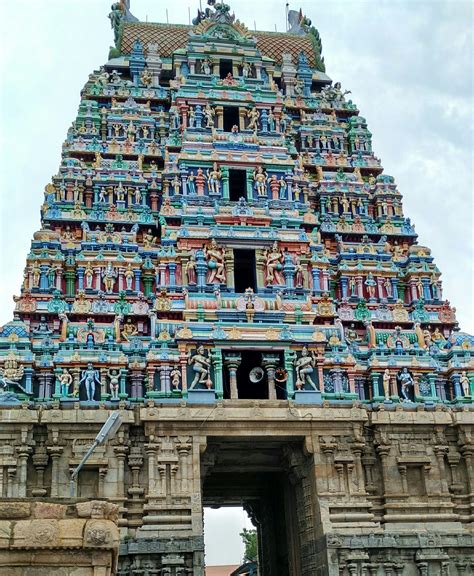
<point>408,64</point>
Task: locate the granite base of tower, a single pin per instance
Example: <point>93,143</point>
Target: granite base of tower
<point>332,489</point>
<point>44,538</point>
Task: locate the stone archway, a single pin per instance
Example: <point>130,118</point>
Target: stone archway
<point>268,477</point>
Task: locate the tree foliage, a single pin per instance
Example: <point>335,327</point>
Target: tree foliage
<point>249,538</point>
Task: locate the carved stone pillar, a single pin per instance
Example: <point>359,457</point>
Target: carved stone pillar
<point>232,361</point>
<point>102,474</point>
<point>55,453</point>
<point>11,473</point>
<point>368,462</point>
<point>383,451</point>
<point>467,451</point>
<point>151,449</point>
<point>422,568</point>
<point>23,453</point>
<point>137,384</point>
<point>440,452</point>
<point>40,461</point>
<point>270,362</point>
<point>121,453</point>
<point>135,461</point>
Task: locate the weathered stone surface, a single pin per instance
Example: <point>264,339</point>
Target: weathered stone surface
<point>48,510</point>
<point>5,532</point>
<point>14,509</point>
<point>97,509</point>
<point>59,547</point>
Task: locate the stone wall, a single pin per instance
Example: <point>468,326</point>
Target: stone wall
<point>359,491</point>
<point>51,539</point>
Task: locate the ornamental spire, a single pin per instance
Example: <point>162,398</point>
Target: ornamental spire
<point>221,13</point>
<point>120,12</point>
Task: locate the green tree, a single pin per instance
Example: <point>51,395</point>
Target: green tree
<point>249,538</point>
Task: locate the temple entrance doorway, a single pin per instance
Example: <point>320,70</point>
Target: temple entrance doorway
<point>258,474</point>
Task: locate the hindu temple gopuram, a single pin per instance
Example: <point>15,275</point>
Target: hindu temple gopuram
<point>223,261</point>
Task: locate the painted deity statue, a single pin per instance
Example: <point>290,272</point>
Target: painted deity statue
<point>109,274</point>
<point>129,276</point>
<point>386,383</point>
<point>90,378</point>
<point>35,275</point>
<point>253,115</point>
<point>216,263</point>
<point>283,185</point>
<point>175,376</point>
<point>200,365</point>
<point>129,330</point>
<point>114,381</point>
<point>406,382</point>
<point>299,273</point>
<point>209,114</point>
<point>260,178</point>
<point>465,385</point>
<point>190,270</point>
<point>214,177</point>
<point>11,374</point>
<point>370,284</point>
<point>274,185</point>
<point>304,367</point>
<point>200,180</point>
<point>89,276</point>
<point>148,239</point>
<point>65,380</point>
<point>273,265</point>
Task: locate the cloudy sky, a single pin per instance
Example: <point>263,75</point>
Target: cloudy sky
<point>408,64</point>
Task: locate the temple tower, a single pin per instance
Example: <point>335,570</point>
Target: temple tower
<point>223,260</point>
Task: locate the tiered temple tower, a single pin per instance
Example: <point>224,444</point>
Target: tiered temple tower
<point>223,260</point>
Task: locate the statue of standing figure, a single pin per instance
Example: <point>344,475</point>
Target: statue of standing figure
<point>273,265</point>
<point>190,270</point>
<point>260,178</point>
<point>90,377</point>
<point>216,262</point>
<point>129,276</point>
<point>465,385</point>
<point>116,17</point>
<point>114,382</point>
<point>109,274</point>
<point>214,179</point>
<point>209,114</point>
<point>386,383</point>
<point>304,366</point>
<point>253,115</point>
<point>371,284</point>
<point>406,382</point>
<point>65,381</point>
<point>200,365</point>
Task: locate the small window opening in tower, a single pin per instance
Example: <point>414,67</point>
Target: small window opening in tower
<point>237,184</point>
<point>244,270</point>
<point>231,117</point>
<point>225,67</point>
<point>252,381</point>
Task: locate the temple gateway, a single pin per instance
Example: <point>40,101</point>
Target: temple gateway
<point>224,264</point>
